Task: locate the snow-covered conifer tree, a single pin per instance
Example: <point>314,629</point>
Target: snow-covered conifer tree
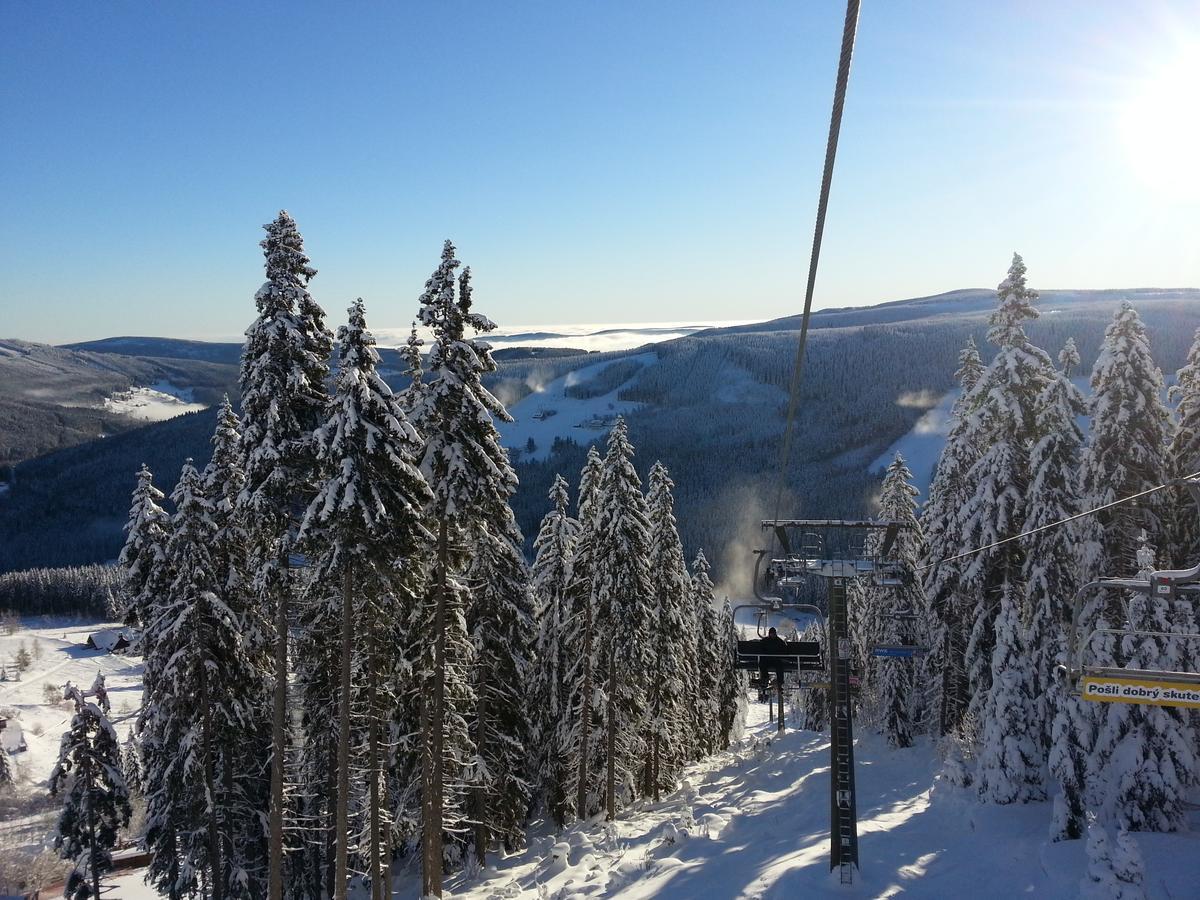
<point>1127,446</point>
<point>197,706</point>
<point>669,590</point>
<point>1051,572</point>
<point>1113,872</point>
<point>621,585</point>
<point>1010,758</point>
<point>244,773</point>
<point>1004,408</point>
<point>367,538</point>
<point>898,703</point>
<point>471,479</point>
<point>131,766</point>
<point>500,621</point>
<point>709,644</point>
<point>581,729</point>
<point>7,776</point>
<point>550,579</point>
<point>285,364</point>
<point>141,557</point>
<point>410,397</point>
<point>731,692</point>
<point>1183,457</point>
<point>948,603</point>
<point>95,799</point>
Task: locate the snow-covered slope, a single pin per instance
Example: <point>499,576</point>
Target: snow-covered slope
<point>753,823</point>
<point>551,412</point>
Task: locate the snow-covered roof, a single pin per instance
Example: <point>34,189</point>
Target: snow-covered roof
<point>108,638</point>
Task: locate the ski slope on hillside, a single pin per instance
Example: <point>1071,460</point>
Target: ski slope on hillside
<point>549,413</point>
<point>753,823</point>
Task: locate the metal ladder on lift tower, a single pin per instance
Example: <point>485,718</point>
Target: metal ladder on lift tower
<point>844,844</point>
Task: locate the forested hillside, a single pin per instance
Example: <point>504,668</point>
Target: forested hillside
<point>712,410</point>
<point>54,397</point>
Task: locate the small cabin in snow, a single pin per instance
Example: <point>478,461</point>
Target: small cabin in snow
<point>110,640</point>
<point>12,738</point>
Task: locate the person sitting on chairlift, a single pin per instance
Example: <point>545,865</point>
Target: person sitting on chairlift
<point>771,646</point>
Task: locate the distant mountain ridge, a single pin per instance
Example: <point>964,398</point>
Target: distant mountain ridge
<point>710,405</point>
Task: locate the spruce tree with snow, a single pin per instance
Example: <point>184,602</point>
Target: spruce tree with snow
<point>1051,571</point>
<point>141,557</point>
<point>95,798</point>
<point>199,702</point>
<point>731,690</point>
<point>1113,873</point>
<point>1143,754</point>
<point>898,703</point>
<point>582,725</point>
<point>1126,451</point>
<point>244,777</point>
<point>1010,757</point>
<point>410,397</point>
<point>550,581</point>
<point>7,776</point>
<point>1004,412</point>
<point>100,692</point>
<point>668,720</point>
<point>364,532</point>
<point>709,641</point>
<point>947,602</point>
<point>285,365</point>
<point>500,621</point>
<point>621,586</point>
<point>1068,357</point>
<point>131,766</point>
<point>471,479</point>
<point>1183,457</point>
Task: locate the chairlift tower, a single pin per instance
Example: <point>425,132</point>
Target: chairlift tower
<point>835,550</point>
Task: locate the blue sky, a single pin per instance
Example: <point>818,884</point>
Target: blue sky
<point>594,162</point>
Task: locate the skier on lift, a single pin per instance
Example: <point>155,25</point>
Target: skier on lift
<point>772,649</point>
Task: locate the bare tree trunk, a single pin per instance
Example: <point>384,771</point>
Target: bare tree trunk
<point>434,724</point>
<point>227,778</point>
<point>89,779</point>
<point>610,793</point>
<point>331,802</point>
<point>342,818</point>
<point>479,798</point>
<point>210,788</point>
<point>373,766</point>
<point>585,712</point>
<point>278,736</point>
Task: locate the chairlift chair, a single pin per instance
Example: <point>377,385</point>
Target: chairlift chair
<point>1098,682</point>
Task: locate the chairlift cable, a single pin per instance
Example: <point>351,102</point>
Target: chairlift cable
<point>1174,482</point>
<point>849,30</point>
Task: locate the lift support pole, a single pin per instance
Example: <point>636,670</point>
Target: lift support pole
<point>843,811</point>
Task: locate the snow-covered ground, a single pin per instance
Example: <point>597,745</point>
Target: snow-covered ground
<point>922,446</point>
<point>57,649</point>
<point>748,823</point>
<point>754,823</point>
<point>563,416</point>
<point>153,404</point>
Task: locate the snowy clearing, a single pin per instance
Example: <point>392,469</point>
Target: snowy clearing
<point>152,404</point>
<point>58,653</point>
<point>548,412</point>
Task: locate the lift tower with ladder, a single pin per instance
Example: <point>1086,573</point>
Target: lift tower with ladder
<point>836,550</point>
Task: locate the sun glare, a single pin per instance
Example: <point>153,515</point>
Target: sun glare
<point>1160,125</point>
